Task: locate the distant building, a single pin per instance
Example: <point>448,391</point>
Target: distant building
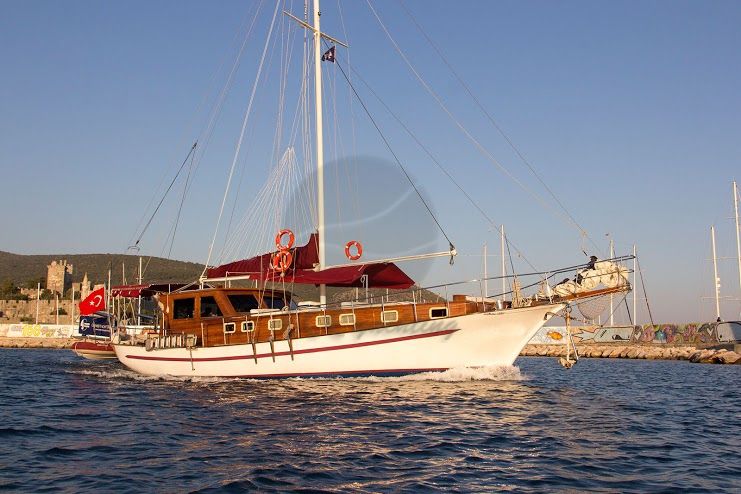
<point>59,276</point>
<point>29,292</point>
<point>84,288</point>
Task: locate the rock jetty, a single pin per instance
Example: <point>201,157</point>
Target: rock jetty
<point>647,352</point>
<point>57,343</point>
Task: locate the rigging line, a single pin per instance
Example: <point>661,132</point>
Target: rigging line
<point>217,108</point>
<point>442,105</point>
<point>645,294</point>
<point>241,136</point>
<point>351,171</point>
<point>437,162</point>
<point>284,66</point>
<point>627,310</point>
<point>494,123</point>
<point>180,208</point>
<point>617,306</point>
<point>200,107</point>
<point>511,262</point>
<point>192,149</point>
<point>388,146</point>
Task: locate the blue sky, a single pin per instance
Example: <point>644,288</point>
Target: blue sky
<point>630,111</point>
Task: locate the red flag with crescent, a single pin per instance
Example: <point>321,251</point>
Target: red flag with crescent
<point>93,303</point>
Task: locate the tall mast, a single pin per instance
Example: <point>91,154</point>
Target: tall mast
<point>504,267</point>
<point>738,242</point>
<point>635,288</point>
<point>716,280</point>
<point>612,256</point>
<point>486,275</point>
<point>319,146</point>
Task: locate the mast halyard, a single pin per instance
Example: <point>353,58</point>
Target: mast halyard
<point>319,147</point>
<point>738,239</point>
<point>318,35</point>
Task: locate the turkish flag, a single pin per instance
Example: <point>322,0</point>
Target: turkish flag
<point>93,302</point>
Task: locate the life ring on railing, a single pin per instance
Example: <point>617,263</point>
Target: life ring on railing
<point>359,250</point>
<point>279,239</point>
<point>282,261</point>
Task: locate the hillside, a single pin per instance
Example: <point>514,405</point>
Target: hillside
<point>25,269</point>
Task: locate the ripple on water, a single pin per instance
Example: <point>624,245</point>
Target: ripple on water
<point>629,426</point>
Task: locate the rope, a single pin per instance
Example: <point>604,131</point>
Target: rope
<point>495,124</point>
<point>180,208</point>
<point>396,158</point>
<point>645,294</point>
<point>437,162</point>
<point>192,149</point>
<point>241,137</point>
<point>442,105</point>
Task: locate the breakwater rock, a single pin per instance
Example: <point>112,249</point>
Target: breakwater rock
<point>648,352</point>
<point>59,343</point>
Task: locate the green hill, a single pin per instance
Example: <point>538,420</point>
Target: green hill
<point>26,270</point>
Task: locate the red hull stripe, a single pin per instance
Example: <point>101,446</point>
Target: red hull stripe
<point>297,352</point>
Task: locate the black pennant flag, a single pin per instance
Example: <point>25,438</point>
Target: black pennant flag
<point>328,55</point>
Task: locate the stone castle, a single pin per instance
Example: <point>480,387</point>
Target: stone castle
<point>59,282</point>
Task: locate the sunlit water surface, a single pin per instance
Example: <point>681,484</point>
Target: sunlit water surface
<point>68,424</point>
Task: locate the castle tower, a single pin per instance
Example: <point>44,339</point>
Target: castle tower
<point>59,276</point>
<point>85,287</point>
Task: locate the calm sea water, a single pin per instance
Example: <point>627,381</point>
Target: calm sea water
<point>72,425</point>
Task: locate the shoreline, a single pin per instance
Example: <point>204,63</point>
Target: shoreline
<point>627,351</point>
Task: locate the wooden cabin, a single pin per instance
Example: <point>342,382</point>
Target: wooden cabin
<point>230,316</point>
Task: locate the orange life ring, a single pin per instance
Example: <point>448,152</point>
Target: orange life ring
<point>282,261</point>
<point>278,239</point>
<point>358,246</point>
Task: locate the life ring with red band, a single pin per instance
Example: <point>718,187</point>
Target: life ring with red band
<point>279,239</point>
<point>282,261</point>
<point>359,248</point>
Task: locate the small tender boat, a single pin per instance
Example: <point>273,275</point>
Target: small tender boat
<point>95,329</point>
<point>95,350</point>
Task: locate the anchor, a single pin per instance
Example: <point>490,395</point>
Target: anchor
<point>287,336</point>
<point>568,362</point>
<point>272,344</point>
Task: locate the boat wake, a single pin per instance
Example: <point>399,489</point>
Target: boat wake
<point>124,374</point>
<point>461,374</point>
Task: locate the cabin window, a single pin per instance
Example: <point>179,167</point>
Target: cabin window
<point>243,302</point>
<point>438,312</point>
<point>209,307</point>
<point>323,321</point>
<point>389,316</point>
<point>347,319</point>
<point>248,326</point>
<point>275,324</point>
<point>230,327</point>
<point>183,308</point>
<point>273,302</point>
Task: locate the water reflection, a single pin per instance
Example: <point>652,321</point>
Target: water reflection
<point>604,425</point>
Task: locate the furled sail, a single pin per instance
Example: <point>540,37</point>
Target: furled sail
<point>302,270</point>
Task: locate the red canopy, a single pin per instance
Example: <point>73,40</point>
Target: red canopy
<point>134,291</point>
<point>382,275</point>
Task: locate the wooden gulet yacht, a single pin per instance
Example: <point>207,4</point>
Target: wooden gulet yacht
<point>214,329</point>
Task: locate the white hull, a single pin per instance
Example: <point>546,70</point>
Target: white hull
<point>484,339</point>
